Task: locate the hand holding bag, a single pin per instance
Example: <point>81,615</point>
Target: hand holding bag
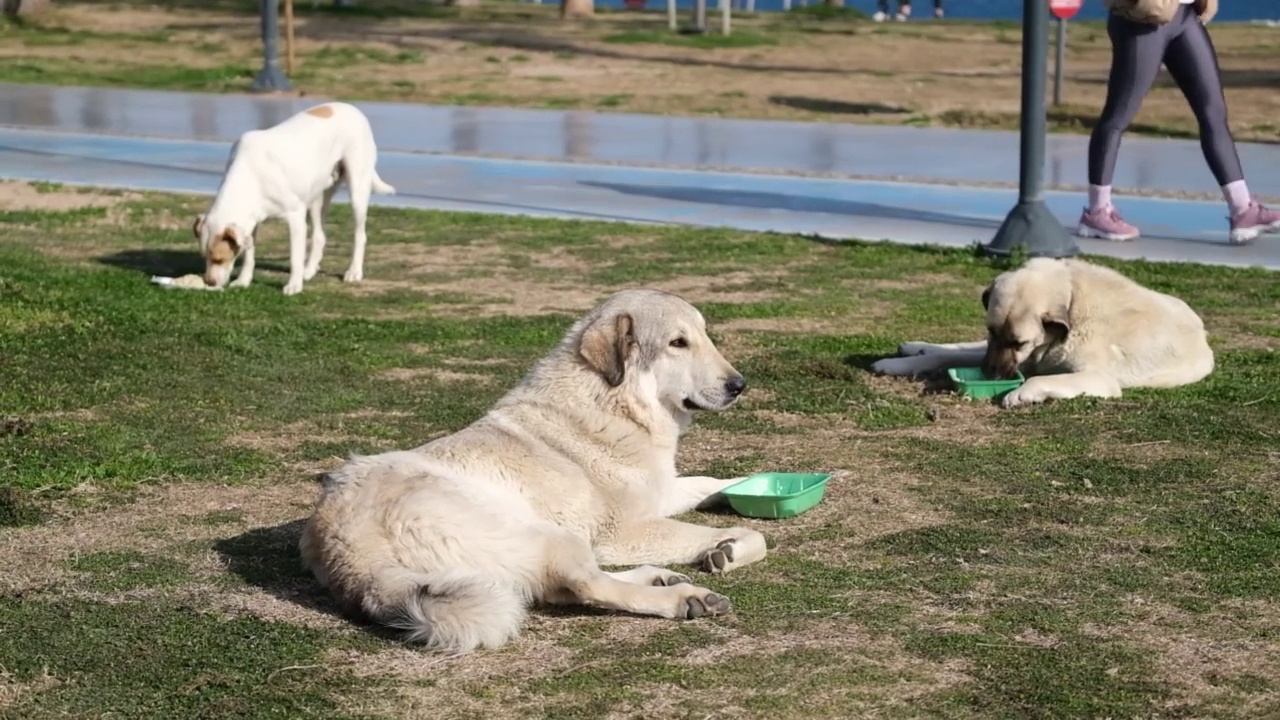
<point>1147,12</point>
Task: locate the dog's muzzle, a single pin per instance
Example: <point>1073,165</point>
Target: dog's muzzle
<point>1000,365</point>
<point>733,387</point>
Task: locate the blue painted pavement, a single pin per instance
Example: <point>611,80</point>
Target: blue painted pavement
<point>911,213</point>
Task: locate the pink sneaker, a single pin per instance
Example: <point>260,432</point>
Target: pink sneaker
<point>1253,221</point>
<point>1105,223</point>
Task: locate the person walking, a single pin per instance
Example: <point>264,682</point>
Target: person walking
<point>904,10</point>
<point>1145,33</point>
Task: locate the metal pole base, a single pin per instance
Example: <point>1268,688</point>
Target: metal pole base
<point>270,79</point>
<point>1031,226</point>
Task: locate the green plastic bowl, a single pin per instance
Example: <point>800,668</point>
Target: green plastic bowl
<point>971,383</point>
<point>776,494</point>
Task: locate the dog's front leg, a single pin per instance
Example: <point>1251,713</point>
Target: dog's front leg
<point>297,220</point>
<point>574,577</point>
<point>1039,388</point>
<point>692,493</point>
<point>246,269</point>
<point>661,541</point>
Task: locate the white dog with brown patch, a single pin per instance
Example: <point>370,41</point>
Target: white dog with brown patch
<point>291,171</point>
<point>574,467</point>
<point>1072,328</point>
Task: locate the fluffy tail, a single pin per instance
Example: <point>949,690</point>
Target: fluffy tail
<point>380,186</point>
<point>456,614</point>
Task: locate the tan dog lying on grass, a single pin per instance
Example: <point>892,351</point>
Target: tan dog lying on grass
<point>573,468</point>
<point>1073,328</point>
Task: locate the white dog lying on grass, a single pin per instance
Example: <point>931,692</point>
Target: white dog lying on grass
<point>1072,328</point>
<point>291,171</point>
<point>573,468</point>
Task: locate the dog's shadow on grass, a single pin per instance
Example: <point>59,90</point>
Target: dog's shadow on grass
<point>169,263</point>
<point>267,558</point>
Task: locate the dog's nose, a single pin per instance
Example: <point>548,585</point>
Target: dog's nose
<point>735,385</point>
<point>210,281</point>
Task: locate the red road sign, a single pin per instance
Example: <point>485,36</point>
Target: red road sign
<point>1065,9</point>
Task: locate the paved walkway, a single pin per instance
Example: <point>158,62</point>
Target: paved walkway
<point>587,167</point>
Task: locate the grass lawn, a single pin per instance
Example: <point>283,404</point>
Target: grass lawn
<point>159,448</point>
<point>805,65</point>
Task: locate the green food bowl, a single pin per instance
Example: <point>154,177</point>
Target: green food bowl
<point>972,383</point>
<point>776,494</point>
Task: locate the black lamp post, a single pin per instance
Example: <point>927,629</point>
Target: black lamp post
<point>270,78</point>
<point>1030,224</point>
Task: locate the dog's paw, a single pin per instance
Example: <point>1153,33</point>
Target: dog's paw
<point>907,349</point>
<point>719,558</point>
<point>1024,395</point>
<point>293,287</point>
<point>701,602</point>
<point>353,275</point>
<point>310,273</point>
<point>668,578</point>
<point>656,576</point>
<point>899,367</point>
<point>241,283</point>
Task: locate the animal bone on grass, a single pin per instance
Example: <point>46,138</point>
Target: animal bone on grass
<point>186,282</point>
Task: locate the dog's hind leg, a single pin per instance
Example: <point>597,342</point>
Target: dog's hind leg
<point>929,362</point>
<point>359,183</point>
<point>573,577</point>
<point>316,212</point>
<point>908,349</point>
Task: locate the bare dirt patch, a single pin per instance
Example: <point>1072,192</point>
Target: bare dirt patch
<point>158,521</point>
<point>17,195</point>
<point>437,374</point>
<point>1208,657</point>
<point>910,283</point>
<point>12,692</point>
<point>736,287</point>
<point>291,436</point>
<point>867,497</point>
<point>867,316</point>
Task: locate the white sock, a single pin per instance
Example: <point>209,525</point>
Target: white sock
<point>1099,197</point>
<point>1237,195</point>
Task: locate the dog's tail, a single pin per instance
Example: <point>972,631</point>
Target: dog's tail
<point>455,613</point>
<point>380,186</point>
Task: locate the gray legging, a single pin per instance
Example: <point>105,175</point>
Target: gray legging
<point>1136,53</point>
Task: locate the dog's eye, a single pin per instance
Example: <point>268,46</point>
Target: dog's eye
<point>679,343</point>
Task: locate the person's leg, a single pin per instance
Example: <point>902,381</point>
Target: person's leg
<point>1193,63</point>
<point>904,9</point>
<point>1136,53</point>
<point>937,8</point>
<point>882,10</point>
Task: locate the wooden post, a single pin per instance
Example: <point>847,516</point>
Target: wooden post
<point>724,17</point>
<point>288,37</point>
<point>671,14</point>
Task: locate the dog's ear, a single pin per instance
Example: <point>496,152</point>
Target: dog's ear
<point>198,226</point>
<point>225,247</point>
<point>1056,326</point>
<point>606,345</point>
